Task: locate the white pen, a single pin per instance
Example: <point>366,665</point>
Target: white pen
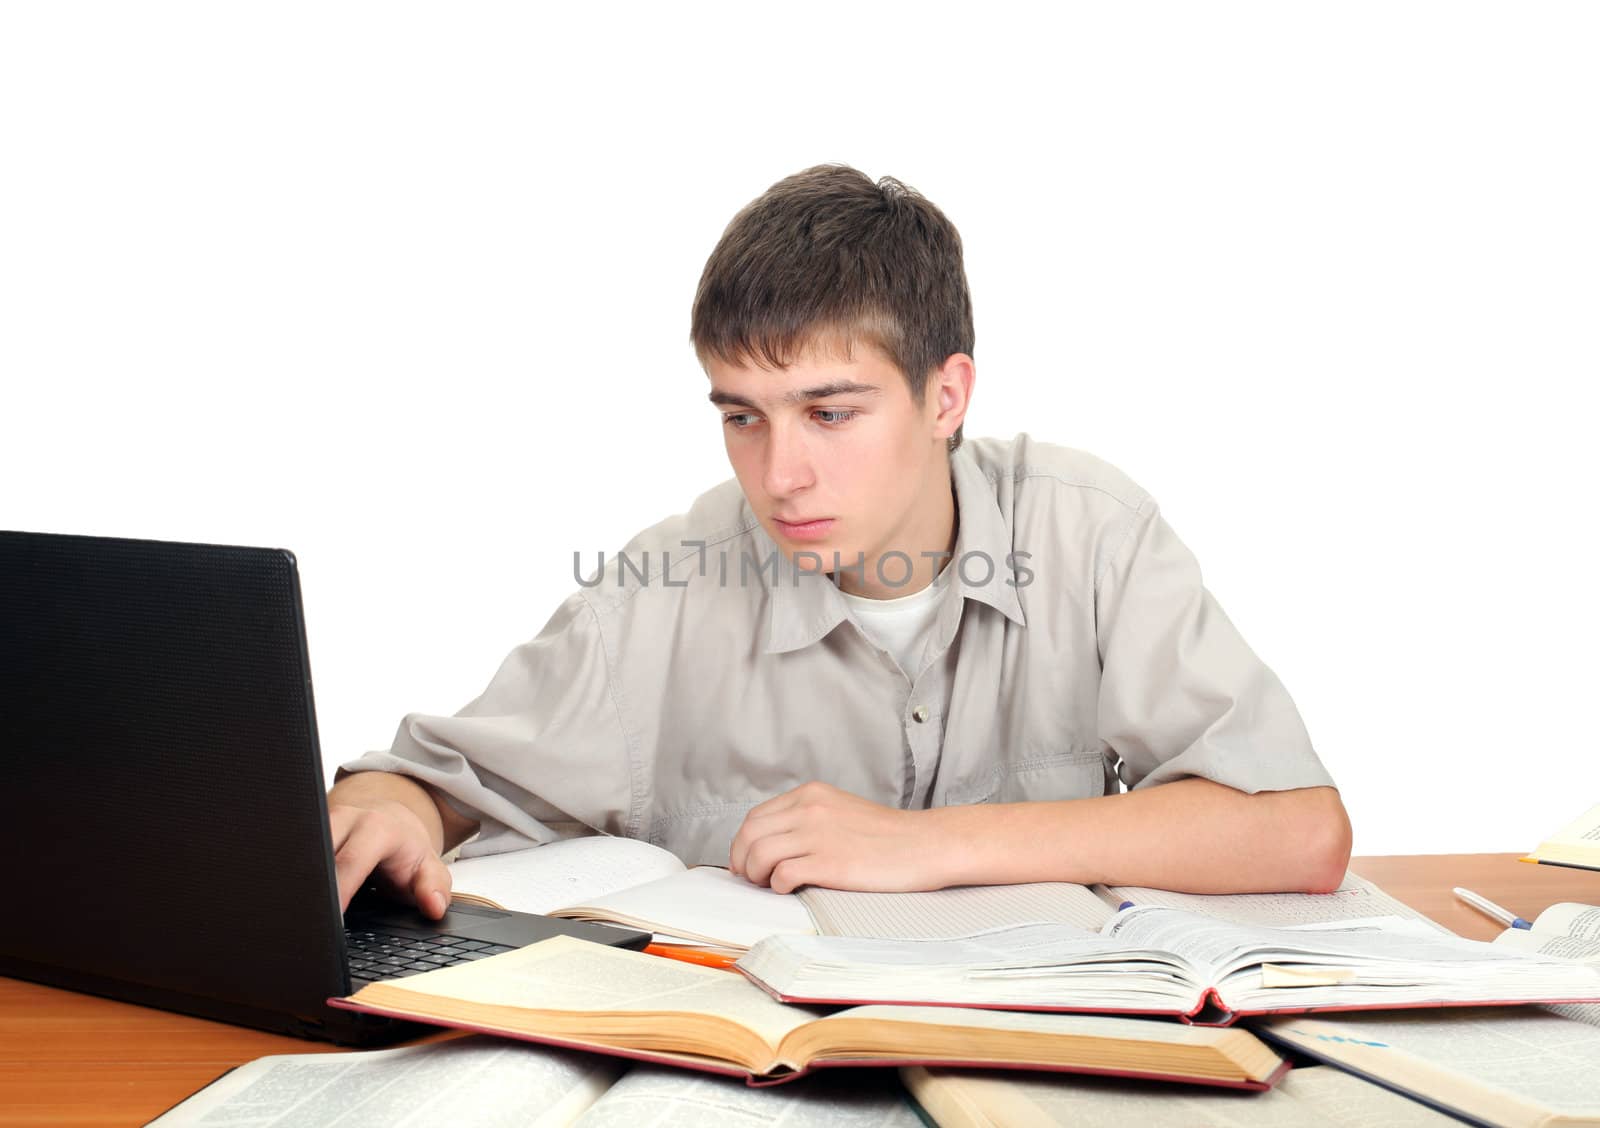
<point>1489,908</point>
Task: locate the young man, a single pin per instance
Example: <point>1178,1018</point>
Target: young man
<point>881,658</point>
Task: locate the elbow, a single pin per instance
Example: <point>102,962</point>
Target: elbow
<point>1327,840</point>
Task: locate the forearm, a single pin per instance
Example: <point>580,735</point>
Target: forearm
<point>446,828</point>
<point>1191,835</point>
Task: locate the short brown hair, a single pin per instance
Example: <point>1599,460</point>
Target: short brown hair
<point>826,253</point>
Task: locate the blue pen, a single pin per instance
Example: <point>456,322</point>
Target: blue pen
<point>1489,908</point>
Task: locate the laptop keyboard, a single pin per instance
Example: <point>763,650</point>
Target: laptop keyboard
<point>387,955</point>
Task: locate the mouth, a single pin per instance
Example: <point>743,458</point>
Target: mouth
<point>810,529</point>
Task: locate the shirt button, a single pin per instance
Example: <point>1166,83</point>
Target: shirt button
<point>919,714</point>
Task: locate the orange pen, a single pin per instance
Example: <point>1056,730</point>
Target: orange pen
<point>692,955</point>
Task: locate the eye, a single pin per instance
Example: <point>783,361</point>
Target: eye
<point>738,420</point>
<point>834,417</point>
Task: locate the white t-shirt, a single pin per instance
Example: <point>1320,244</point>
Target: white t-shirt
<point>899,626</point>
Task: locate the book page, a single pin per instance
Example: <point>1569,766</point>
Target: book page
<point>1586,1013</point>
<point>706,905</point>
<point>569,872</point>
<point>1581,922</point>
<point>565,974</point>
<point>1020,966</point>
<point>1549,944</point>
<point>1355,899</point>
<point>1581,831</point>
<point>1215,944</point>
<point>1253,966</point>
<point>1313,1097</point>
<point>1322,1093</point>
<point>949,913</point>
<point>1576,844</point>
<point>468,1082</point>
<point>1535,1058</point>
<point>658,1098</point>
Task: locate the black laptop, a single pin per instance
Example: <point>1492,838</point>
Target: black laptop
<point>164,829</point>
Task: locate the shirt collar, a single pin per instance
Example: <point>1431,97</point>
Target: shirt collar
<point>803,606</point>
<point>983,540</point>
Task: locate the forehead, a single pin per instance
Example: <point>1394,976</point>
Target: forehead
<point>816,373</point>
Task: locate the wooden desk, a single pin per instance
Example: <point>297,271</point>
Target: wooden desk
<point>76,1059</point>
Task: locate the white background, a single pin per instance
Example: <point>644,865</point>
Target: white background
<point>406,289</point>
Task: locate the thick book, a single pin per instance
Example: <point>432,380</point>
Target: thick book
<point>471,1082</point>
<point>631,883</point>
<point>1576,845</point>
<point>1159,961</point>
<point>1529,1068</point>
<point>587,996</point>
<point>1316,1096</point>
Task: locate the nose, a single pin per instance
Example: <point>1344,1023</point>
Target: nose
<point>788,467</point>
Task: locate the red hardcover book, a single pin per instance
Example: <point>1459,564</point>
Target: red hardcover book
<point>566,992</point>
<point>1168,963</point>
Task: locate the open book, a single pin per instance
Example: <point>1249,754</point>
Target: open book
<point>624,881</point>
<point>472,1082</point>
<point>589,996</point>
<point>1568,930</point>
<point>1519,1069</point>
<point>1577,844</point>
<point>1148,960</point>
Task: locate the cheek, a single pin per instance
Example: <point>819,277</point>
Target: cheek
<point>746,465</point>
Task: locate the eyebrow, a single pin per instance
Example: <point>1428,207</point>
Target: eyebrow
<point>801,395</point>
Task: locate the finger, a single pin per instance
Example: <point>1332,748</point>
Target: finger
<point>364,848</point>
<point>767,854</point>
<point>791,873</point>
<point>430,888</point>
<point>341,821</point>
<point>754,828</point>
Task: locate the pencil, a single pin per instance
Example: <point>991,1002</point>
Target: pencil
<point>692,955</point>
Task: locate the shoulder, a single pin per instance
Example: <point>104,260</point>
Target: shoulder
<point>1060,504</point>
<point>1038,474</point>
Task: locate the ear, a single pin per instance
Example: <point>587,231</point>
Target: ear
<point>951,388</point>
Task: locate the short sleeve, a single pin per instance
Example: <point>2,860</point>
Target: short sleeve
<point>540,755</point>
<point>1181,694</point>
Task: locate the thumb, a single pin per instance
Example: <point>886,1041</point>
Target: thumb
<point>430,887</point>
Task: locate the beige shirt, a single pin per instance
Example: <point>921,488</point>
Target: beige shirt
<point>1074,651</point>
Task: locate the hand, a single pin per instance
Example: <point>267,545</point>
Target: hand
<point>819,835</point>
<point>386,839</point>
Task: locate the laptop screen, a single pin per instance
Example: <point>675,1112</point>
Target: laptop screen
<point>163,811</point>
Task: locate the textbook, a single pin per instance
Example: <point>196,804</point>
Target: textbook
<point>627,882</point>
<point>1317,1096</point>
<point>1150,960</point>
<point>1519,1069</point>
<point>1577,844</point>
<point>472,1082</point>
<point>578,995</point>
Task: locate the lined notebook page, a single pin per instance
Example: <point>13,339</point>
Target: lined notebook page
<point>1355,899</point>
<point>946,913</point>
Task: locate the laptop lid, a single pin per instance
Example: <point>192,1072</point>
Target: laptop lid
<point>162,814</point>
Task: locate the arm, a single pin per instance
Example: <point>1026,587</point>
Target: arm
<point>519,765</point>
<point>1190,835</point>
<point>394,828</point>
